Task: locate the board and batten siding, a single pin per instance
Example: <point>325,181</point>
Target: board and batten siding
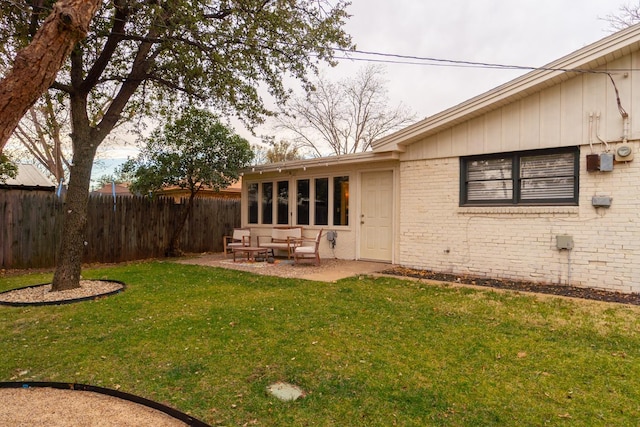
<point>557,116</point>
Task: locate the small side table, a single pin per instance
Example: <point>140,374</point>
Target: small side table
<point>251,251</point>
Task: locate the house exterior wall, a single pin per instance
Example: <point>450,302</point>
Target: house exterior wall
<point>347,242</point>
<point>519,242</point>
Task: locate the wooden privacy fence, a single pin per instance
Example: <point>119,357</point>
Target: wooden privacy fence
<point>129,229</point>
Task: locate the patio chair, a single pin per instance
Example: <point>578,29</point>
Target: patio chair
<point>240,237</point>
<point>309,251</point>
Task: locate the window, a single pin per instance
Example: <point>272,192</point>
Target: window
<point>302,213</point>
<point>322,201</point>
<point>267,202</point>
<point>253,203</point>
<point>525,178</point>
<point>314,201</point>
<point>283,202</point>
<point>341,200</point>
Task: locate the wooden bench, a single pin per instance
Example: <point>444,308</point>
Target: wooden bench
<point>281,239</point>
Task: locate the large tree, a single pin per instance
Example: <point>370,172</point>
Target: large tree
<point>144,56</point>
<point>35,66</point>
<point>194,152</point>
<point>344,117</point>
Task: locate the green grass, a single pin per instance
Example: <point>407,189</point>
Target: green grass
<point>369,352</point>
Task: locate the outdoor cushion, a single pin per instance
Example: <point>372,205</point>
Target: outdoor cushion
<point>240,237</point>
<point>281,239</point>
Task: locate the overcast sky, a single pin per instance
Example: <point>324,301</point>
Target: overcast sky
<point>513,32</point>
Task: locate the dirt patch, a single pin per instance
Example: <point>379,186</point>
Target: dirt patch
<point>523,286</point>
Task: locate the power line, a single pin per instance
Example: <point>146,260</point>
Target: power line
<point>441,62</point>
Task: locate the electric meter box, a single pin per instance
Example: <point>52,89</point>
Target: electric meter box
<point>564,241</point>
<point>593,162</point>
<point>606,162</point>
<point>624,153</point>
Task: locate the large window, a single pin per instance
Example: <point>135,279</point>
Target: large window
<point>341,200</point>
<point>322,201</point>
<point>283,202</point>
<point>305,201</point>
<point>267,202</point>
<point>315,198</point>
<point>253,203</point>
<point>524,178</point>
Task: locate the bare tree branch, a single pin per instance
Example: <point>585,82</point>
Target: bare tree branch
<point>345,117</point>
<point>628,15</point>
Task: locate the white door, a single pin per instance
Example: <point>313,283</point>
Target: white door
<point>376,216</point>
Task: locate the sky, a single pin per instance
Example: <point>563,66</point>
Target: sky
<point>514,32</point>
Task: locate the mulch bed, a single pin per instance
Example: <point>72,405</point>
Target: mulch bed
<point>515,285</point>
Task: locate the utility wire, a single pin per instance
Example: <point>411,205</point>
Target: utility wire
<point>440,62</point>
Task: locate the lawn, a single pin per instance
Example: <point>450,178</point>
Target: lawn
<point>368,352</point>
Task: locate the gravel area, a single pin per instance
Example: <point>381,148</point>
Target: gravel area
<point>51,407</point>
<point>44,406</point>
<point>43,294</point>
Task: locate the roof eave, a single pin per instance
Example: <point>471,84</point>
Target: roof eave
<point>347,159</point>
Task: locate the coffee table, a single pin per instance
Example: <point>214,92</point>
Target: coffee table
<point>251,251</point>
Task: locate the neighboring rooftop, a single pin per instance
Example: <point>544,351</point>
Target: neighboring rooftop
<point>29,177</point>
<point>121,189</point>
<point>233,191</point>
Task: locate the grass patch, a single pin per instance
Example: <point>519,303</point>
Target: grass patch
<point>374,352</point>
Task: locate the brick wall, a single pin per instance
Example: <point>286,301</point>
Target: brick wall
<point>520,242</point>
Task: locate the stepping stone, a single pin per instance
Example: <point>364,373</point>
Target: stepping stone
<point>285,391</point>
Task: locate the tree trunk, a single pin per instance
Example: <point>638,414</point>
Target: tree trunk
<point>36,66</point>
<point>69,262</point>
<point>174,250</point>
<point>86,139</point>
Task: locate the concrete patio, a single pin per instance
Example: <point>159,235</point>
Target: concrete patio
<point>329,270</point>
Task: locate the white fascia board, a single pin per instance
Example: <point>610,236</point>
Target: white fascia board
<point>344,160</point>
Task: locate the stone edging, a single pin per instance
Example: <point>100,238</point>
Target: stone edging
<point>62,301</point>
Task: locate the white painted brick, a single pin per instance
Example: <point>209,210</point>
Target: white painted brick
<point>519,242</point>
